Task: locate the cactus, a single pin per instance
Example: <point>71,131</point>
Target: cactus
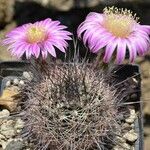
<point>70,107</point>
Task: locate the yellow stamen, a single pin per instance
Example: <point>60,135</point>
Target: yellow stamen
<point>119,22</point>
<point>36,34</point>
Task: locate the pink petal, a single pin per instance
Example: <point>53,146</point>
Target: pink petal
<point>44,53</point>
<point>102,43</point>
<point>48,47</point>
<point>95,16</point>
<point>145,28</point>
<point>59,44</point>
<point>132,51</point>
<point>28,51</point>
<point>142,46</point>
<point>35,50</point>
<point>83,27</point>
<point>121,50</point>
<point>18,51</point>
<point>110,48</point>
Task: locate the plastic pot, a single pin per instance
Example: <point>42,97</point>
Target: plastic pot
<point>9,70</point>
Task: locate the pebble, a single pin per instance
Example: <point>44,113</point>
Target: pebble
<point>7,129</point>
<point>2,137</point>
<point>16,81</point>
<point>19,124</point>
<point>21,82</point>
<point>126,127</point>
<point>27,75</point>
<point>4,113</point>
<point>8,98</point>
<point>9,132</point>
<point>131,136</point>
<point>132,125</point>
<point>8,83</point>
<point>120,140</point>
<point>123,146</point>
<point>132,116</point>
<point>3,144</point>
<point>15,145</point>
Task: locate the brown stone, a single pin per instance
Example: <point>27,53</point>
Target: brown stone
<point>9,98</point>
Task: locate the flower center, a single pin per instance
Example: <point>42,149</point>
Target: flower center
<point>119,22</point>
<point>36,34</point>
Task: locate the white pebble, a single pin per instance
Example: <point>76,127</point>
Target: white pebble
<point>3,144</point>
<point>131,136</point>
<point>19,124</point>
<point>21,82</point>
<point>120,139</point>
<point>18,130</point>
<point>9,132</point>
<point>132,116</point>
<point>2,137</point>
<point>8,83</point>
<point>123,146</point>
<point>16,81</point>
<point>4,113</point>
<point>133,125</point>
<point>28,75</point>
<point>7,129</point>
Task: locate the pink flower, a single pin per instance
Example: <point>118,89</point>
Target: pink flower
<point>116,30</point>
<point>41,37</point>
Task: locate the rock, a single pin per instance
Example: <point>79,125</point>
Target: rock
<point>123,146</point>
<point>8,83</point>
<point>120,140</point>
<point>7,129</point>
<point>126,127</point>
<point>3,144</point>
<point>2,137</point>
<point>16,81</point>
<point>19,124</point>
<point>132,116</point>
<point>28,75</point>
<point>15,145</point>
<point>131,136</point>
<point>133,148</point>
<point>6,11</point>
<point>21,82</point>
<point>9,132</point>
<point>4,113</point>
<point>8,98</point>
<point>132,125</point>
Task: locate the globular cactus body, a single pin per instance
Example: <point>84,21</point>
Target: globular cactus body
<point>71,107</point>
